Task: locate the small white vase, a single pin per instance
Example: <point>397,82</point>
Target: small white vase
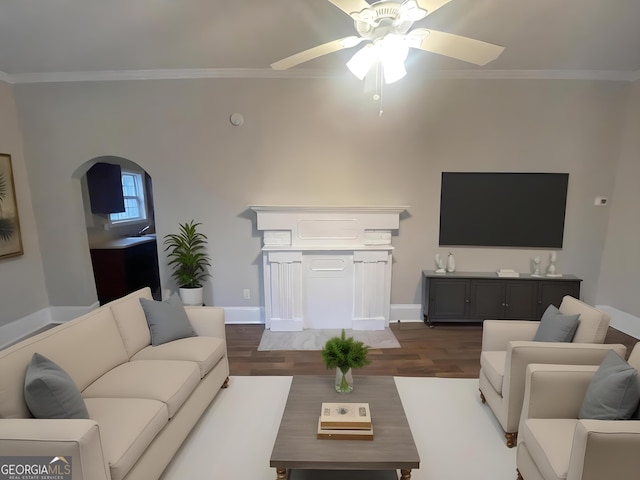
<point>192,296</point>
<point>451,263</point>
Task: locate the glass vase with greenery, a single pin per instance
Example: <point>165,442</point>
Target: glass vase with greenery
<point>344,353</point>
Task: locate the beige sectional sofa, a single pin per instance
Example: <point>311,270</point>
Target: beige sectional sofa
<point>142,400</point>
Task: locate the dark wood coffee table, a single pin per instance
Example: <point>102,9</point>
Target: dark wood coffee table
<point>296,446</point>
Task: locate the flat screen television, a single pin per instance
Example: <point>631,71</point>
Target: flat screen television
<point>499,209</point>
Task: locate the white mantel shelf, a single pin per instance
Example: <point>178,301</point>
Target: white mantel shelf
<point>327,266</point>
<point>326,248</point>
<point>330,208</point>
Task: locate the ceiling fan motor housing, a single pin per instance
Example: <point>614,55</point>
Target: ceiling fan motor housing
<point>382,18</point>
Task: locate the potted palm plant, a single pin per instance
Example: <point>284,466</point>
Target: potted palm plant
<point>344,353</point>
<point>189,260</point>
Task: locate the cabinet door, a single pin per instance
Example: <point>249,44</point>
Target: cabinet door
<point>104,182</point>
<point>551,293</point>
<point>521,300</point>
<point>109,272</point>
<point>487,299</point>
<point>448,299</point>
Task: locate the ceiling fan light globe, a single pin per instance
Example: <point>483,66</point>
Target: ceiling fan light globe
<point>393,71</point>
<point>362,61</point>
<point>392,48</point>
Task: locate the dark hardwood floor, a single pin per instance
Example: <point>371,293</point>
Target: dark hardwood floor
<point>447,350</point>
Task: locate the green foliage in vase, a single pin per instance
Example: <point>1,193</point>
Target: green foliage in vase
<point>344,353</point>
<point>187,255</point>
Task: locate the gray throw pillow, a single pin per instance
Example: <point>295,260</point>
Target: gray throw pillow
<point>167,320</point>
<point>556,327</point>
<point>50,392</point>
<point>614,391</point>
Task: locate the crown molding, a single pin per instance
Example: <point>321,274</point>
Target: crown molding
<point>166,74</point>
<point>5,78</point>
<point>590,75</point>
<point>266,73</point>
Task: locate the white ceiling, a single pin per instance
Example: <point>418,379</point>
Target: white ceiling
<point>44,40</point>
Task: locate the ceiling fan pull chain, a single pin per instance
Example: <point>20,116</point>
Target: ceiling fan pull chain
<point>380,86</point>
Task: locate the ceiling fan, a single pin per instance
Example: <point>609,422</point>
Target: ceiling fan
<point>385,26</point>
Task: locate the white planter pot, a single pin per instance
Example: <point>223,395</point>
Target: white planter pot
<point>192,296</point>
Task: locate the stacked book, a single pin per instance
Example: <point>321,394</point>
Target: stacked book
<point>507,272</point>
<point>345,421</point>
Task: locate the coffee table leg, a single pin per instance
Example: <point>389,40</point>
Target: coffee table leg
<point>281,473</point>
<point>405,474</point>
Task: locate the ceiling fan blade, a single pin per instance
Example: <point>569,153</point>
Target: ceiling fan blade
<point>315,52</point>
<point>431,5</point>
<point>457,46</point>
<point>351,6</point>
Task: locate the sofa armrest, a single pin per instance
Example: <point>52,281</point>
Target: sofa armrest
<point>77,439</point>
<point>207,321</point>
<point>496,334</point>
<point>605,449</point>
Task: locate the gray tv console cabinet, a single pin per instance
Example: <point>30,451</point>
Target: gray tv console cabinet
<point>476,296</point>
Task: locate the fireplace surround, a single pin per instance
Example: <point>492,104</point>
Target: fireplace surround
<point>327,266</point>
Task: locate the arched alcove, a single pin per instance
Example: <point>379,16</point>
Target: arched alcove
<point>121,240</point>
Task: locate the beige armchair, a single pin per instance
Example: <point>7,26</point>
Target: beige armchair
<point>554,444</point>
<point>508,347</point>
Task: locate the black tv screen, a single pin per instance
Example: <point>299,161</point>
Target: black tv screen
<point>497,209</point>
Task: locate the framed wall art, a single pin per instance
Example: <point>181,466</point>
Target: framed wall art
<point>10,237</point>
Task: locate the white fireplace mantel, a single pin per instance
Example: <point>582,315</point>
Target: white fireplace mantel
<point>327,266</point>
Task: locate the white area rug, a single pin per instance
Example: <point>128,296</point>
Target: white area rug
<point>457,437</point>
<point>316,339</point>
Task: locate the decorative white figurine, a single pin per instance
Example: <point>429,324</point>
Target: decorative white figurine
<point>439,264</point>
<point>451,263</point>
<point>551,269</point>
<point>536,266</point>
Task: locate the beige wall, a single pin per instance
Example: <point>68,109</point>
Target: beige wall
<point>316,142</point>
<point>22,285</point>
<point>618,284</point>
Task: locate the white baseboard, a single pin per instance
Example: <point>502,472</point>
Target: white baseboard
<point>15,331</point>
<point>25,326</point>
<point>240,315</point>
<point>623,321</point>
<point>406,312</point>
<point>64,314</point>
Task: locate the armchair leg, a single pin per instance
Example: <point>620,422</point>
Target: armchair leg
<point>512,438</point>
<point>226,383</point>
<point>482,399</point>
<point>519,475</point>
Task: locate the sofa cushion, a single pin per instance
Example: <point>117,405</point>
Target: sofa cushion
<point>85,348</point>
<point>167,320</point>
<point>549,441</point>
<point>492,364</point>
<point>556,327</point>
<point>205,351</point>
<point>614,391</point>
<point>131,321</point>
<point>168,381</point>
<point>127,427</point>
<point>50,392</point>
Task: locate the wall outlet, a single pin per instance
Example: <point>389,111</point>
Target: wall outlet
<point>601,201</point>
<point>246,294</point>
